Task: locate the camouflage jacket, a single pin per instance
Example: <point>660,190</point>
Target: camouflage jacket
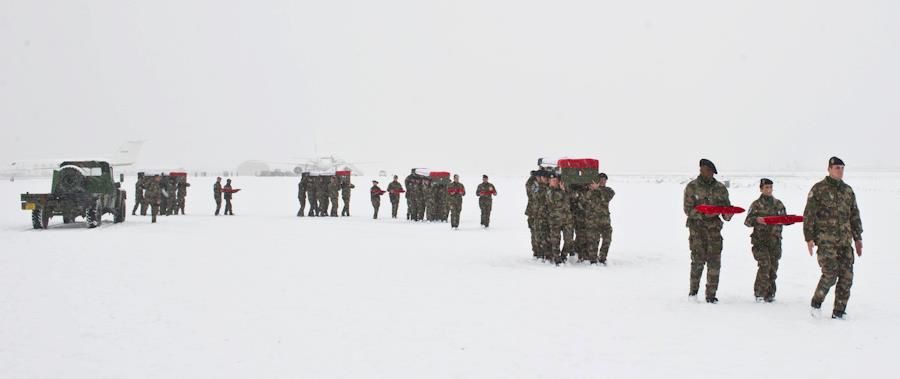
<point>182,189</point>
<point>559,207</point>
<point>139,188</point>
<point>345,189</point>
<point>486,190</point>
<point>375,192</point>
<point>539,204</point>
<point>217,190</point>
<point>334,189</point>
<point>832,216</point>
<point>702,191</point>
<point>152,191</point>
<point>227,191</point>
<point>762,207</point>
<point>458,189</point>
<point>394,189</point>
<point>531,188</point>
<point>302,186</point>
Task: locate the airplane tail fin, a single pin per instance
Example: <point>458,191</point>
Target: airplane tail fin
<point>127,154</point>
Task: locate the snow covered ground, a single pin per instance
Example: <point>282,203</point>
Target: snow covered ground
<point>267,294</point>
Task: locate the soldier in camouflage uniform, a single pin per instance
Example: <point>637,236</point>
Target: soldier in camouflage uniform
<point>456,191</point>
<point>229,210</point>
<point>139,194</point>
<point>580,223</point>
<point>427,212</point>
<point>486,192</point>
<point>394,189</point>
<point>766,240</point>
<point>346,186</point>
<point>412,196</point>
<point>301,193</point>
<point>217,194</point>
<point>705,230</point>
<point>334,193</point>
<point>182,193</point>
<point>531,189</point>
<point>605,224</point>
<point>324,195</point>
<point>312,190</point>
<point>376,193</point>
<point>152,195</point>
<point>409,199</point>
<point>559,218</point>
<point>832,223</point>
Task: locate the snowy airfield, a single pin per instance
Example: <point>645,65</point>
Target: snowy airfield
<point>268,294</point>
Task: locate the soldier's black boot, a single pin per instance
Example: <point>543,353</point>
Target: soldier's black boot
<point>712,300</point>
<point>839,315</point>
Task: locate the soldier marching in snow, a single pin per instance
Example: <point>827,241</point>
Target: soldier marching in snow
<point>705,229</point>
<point>394,189</point>
<point>486,192</point>
<point>832,226</point>
<point>376,193</point>
<point>766,240</point>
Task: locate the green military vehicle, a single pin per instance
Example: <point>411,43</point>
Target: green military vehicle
<point>80,189</point>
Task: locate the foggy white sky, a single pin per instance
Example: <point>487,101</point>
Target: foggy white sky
<point>482,85</point>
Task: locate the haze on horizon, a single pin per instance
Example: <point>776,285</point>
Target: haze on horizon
<point>470,85</point>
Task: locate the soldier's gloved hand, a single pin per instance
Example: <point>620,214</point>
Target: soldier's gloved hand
<point>727,217</point>
<point>859,246</point>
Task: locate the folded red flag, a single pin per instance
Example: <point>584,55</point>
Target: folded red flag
<point>782,220</point>
<point>487,193</point>
<point>377,192</point>
<point>233,190</point>
<point>715,209</point>
<point>454,191</point>
<point>397,192</point>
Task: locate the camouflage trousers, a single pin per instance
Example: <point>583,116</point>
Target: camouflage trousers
<point>567,231</point>
<point>588,239</point>
<point>485,203</point>
<point>706,251</point>
<point>395,204</point>
<point>313,205</point>
<point>376,203</point>
<point>767,255</point>
<point>422,210</point>
<point>346,210</point>
<point>181,203</point>
<point>539,230</point>
<point>606,235</point>
<point>218,204</point>
<point>138,202</point>
<point>323,206</point>
<point>302,210</point>
<point>837,268</point>
<point>334,205</point>
<point>455,209</point>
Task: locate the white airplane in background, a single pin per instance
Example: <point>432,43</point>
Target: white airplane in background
<point>126,155</point>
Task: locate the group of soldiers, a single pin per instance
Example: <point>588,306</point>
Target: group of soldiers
<point>832,228</point>
<point>163,194</point>
<point>322,190</point>
<point>575,215</point>
<point>433,199</point>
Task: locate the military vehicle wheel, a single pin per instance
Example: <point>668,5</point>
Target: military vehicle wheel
<point>37,219</point>
<point>93,218</point>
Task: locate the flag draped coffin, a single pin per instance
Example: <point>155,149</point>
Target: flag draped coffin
<point>579,171</point>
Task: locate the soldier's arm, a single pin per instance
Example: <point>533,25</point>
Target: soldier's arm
<point>752,214</point>
<point>809,216</point>
<point>855,221</point>
<point>612,194</point>
<point>689,204</point>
